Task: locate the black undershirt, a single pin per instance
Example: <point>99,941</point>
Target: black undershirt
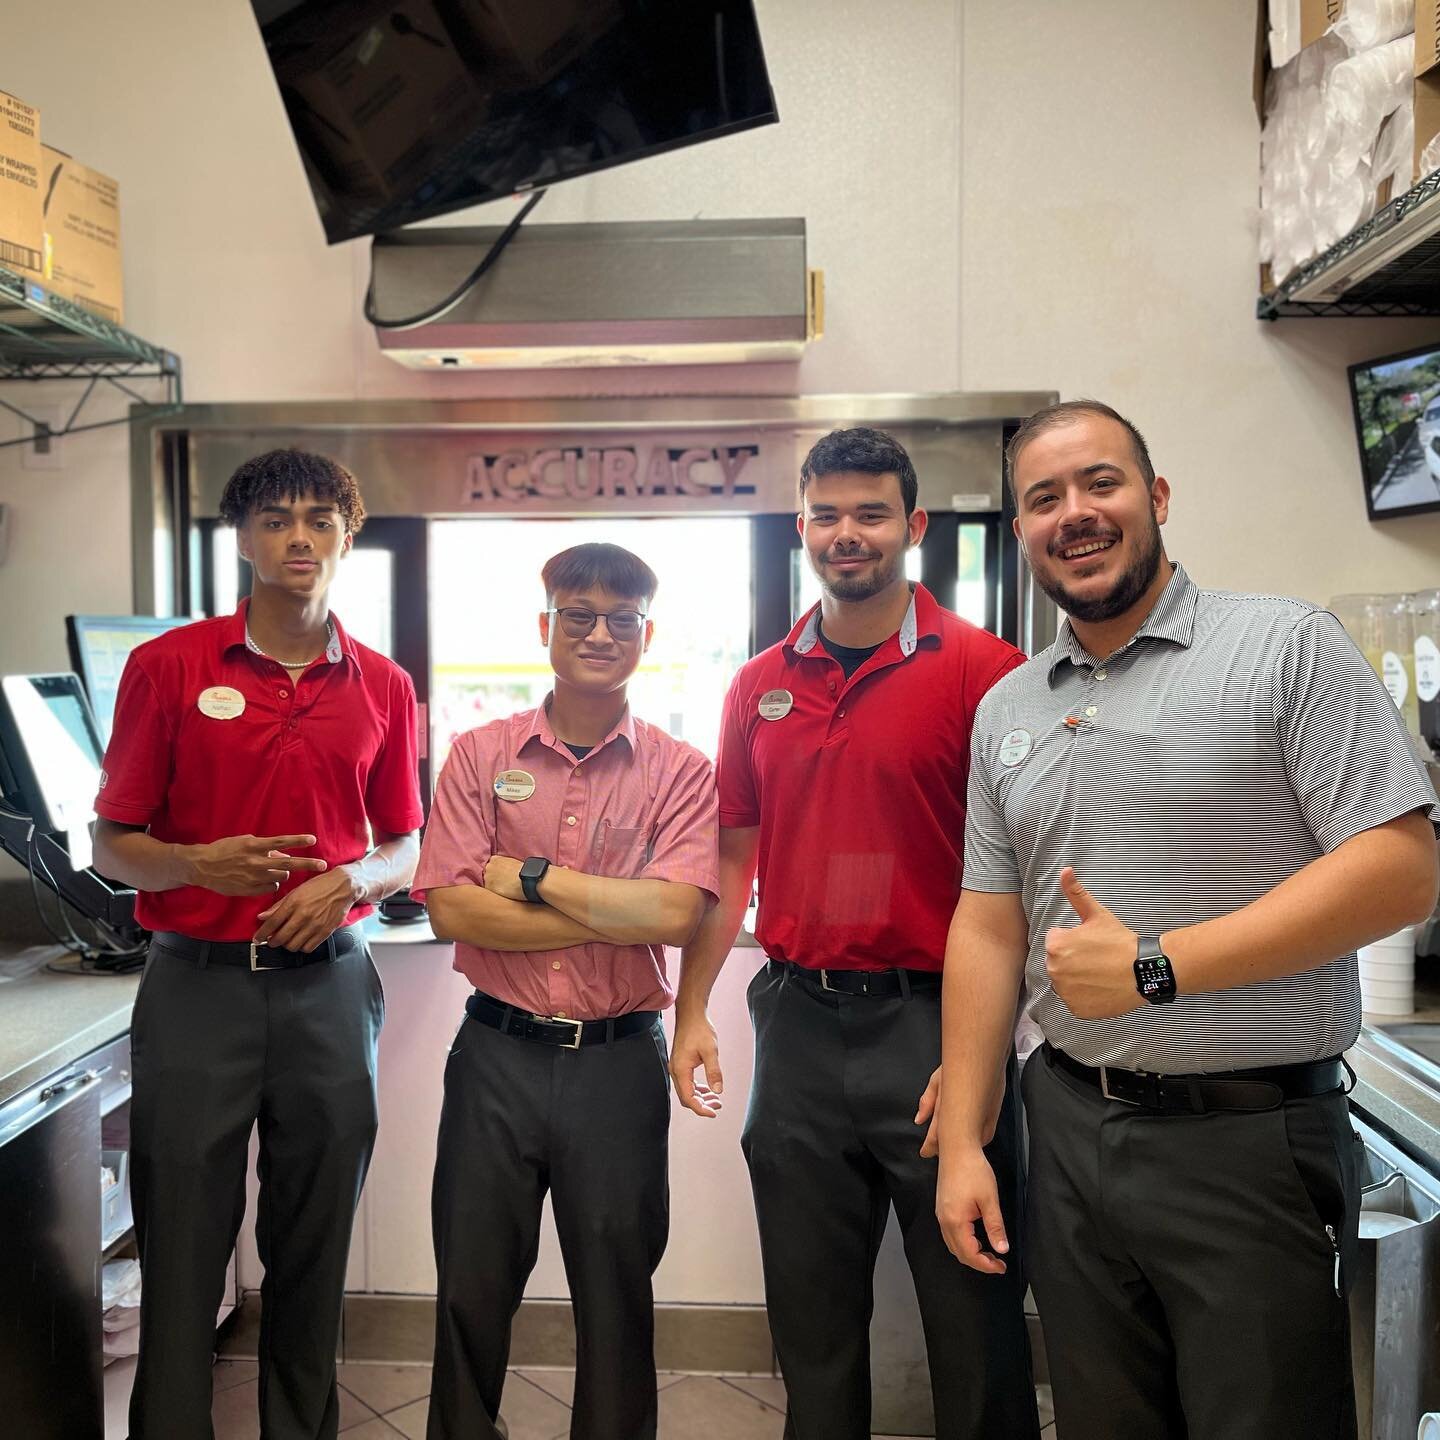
<point>578,751</point>
<point>850,659</point>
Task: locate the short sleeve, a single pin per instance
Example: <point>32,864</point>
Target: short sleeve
<point>460,837</point>
<point>1350,760</point>
<point>685,846</point>
<point>739,804</point>
<point>140,758</point>
<point>392,789</point>
<point>990,863</point>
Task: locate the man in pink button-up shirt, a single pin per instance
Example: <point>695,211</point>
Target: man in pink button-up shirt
<point>567,846</point>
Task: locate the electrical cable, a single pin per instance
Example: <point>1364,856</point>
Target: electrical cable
<point>410,322</point>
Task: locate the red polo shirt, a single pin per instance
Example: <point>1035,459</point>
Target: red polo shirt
<point>330,754</point>
<point>858,787</point>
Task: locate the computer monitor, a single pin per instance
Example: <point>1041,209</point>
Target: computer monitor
<point>99,646</point>
<point>1397,423</point>
<point>52,749</point>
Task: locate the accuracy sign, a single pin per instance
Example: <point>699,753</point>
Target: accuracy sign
<point>723,476</point>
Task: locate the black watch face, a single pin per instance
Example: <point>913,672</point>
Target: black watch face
<point>533,869</point>
<point>1154,979</point>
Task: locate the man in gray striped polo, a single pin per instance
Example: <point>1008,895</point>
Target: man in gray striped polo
<point>1184,817</point>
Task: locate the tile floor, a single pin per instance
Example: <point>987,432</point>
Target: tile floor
<point>383,1402</point>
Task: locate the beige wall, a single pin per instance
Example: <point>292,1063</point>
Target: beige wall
<point>226,262</point>
<point>1094,235</point>
<point>1107,249</point>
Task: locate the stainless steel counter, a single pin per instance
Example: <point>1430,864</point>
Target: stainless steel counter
<point>47,1021</point>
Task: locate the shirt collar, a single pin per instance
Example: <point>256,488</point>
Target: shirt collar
<point>1171,618</point>
<point>922,618</point>
<point>539,730</point>
<point>340,647</point>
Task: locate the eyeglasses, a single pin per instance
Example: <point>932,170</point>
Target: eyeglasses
<point>578,622</point>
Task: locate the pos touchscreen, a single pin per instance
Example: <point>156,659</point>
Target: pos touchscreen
<point>51,751</point>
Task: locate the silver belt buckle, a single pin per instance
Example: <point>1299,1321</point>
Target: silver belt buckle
<point>825,982</point>
<point>255,947</point>
<point>565,1020</point>
<point>1109,1094</point>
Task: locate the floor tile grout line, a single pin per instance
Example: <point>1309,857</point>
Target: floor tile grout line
<point>740,1390</point>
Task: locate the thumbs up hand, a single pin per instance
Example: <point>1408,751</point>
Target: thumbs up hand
<point>1092,964</point>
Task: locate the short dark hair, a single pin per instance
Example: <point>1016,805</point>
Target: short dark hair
<point>871,452</point>
<point>1065,413</point>
<point>289,475</point>
<point>609,567</point>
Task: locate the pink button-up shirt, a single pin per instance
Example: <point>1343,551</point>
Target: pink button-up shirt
<point>640,805</point>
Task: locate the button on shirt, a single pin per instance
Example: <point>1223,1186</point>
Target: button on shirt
<point>332,753</point>
<point>640,806</point>
<point>859,787</point>
<point>1235,739</point>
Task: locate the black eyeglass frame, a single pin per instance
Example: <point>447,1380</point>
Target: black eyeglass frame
<point>560,611</point>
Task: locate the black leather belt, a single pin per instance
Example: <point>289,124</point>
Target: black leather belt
<point>1262,1089</point>
<point>258,957</point>
<point>877,983</point>
<point>554,1029</point>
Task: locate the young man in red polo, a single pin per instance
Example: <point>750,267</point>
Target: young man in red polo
<point>260,791</point>
<point>567,847</point>
<point>844,754</point>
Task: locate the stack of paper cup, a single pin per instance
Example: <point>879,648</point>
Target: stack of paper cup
<point>1429,1426</point>
<point>1387,975</point>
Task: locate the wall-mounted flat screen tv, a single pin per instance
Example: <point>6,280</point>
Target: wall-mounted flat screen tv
<point>412,108</point>
<point>1397,421</point>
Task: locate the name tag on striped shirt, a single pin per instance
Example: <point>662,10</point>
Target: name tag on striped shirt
<point>1014,747</point>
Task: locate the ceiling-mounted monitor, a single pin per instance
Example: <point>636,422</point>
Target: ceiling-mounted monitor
<point>1397,422</point>
<point>413,108</point>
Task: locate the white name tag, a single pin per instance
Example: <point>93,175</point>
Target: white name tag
<point>220,702</point>
<point>1014,747</point>
<point>775,704</point>
<point>514,785</point>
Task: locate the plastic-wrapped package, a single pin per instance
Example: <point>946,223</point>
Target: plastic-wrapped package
<point>1368,23</point>
<point>120,1301</point>
<point>1363,91</point>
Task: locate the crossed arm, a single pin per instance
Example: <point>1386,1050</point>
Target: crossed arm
<point>579,909</point>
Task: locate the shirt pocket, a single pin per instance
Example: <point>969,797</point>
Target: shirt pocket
<point>621,852</point>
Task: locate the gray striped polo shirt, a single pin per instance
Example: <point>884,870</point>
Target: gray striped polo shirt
<point>1235,739</point>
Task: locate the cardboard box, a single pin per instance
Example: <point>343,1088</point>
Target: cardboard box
<point>82,236</point>
<point>1427,35</point>
<point>1427,113</point>
<point>1317,16</point>
<point>22,223</point>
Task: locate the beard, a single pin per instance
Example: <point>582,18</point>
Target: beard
<point>861,587</point>
<point>1132,584</point>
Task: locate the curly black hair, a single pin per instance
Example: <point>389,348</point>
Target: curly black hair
<point>287,476</point>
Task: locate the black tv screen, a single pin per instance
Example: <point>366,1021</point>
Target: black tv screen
<point>413,108</point>
<point>1397,422</point>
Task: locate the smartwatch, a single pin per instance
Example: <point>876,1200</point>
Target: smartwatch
<point>532,872</point>
<point>1154,975</point>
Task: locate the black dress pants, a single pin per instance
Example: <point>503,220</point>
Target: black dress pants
<point>214,1048</point>
<point>831,1143</point>
<point>591,1126</point>
<point>1187,1285</point>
